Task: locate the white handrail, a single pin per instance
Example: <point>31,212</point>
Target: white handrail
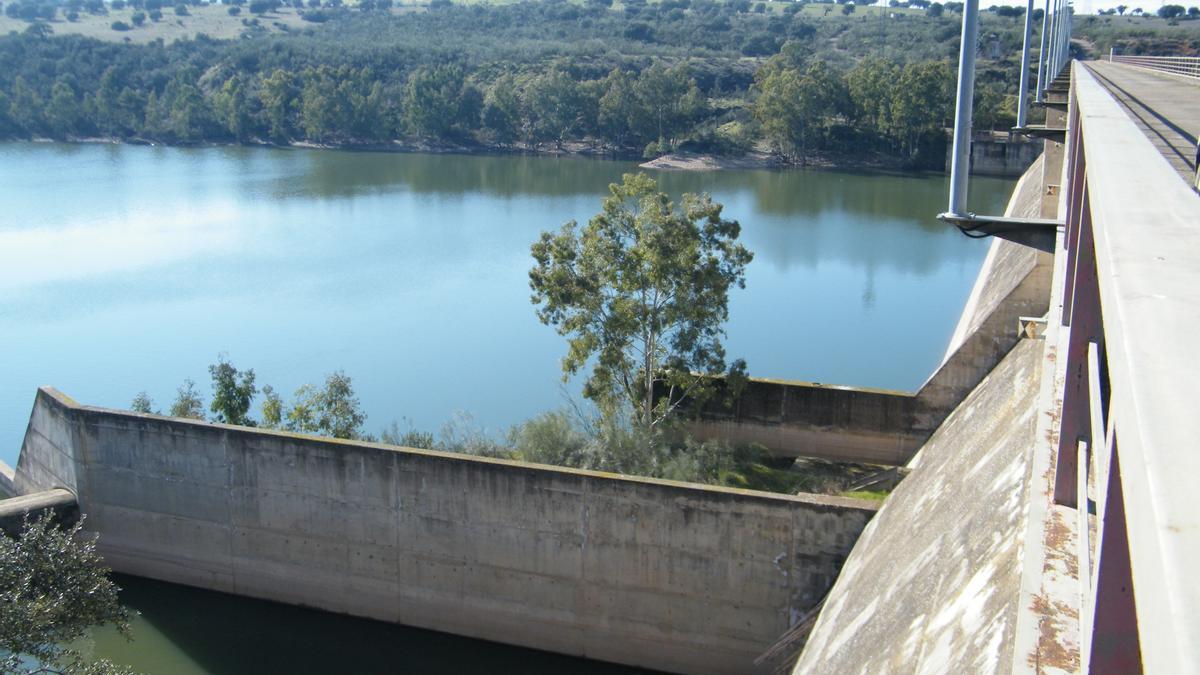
<point>1185,66</point>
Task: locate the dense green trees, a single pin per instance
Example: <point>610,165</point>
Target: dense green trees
<point>903,108</point>
<point>434,101</point>
<point>799,103</point>
<point>528,75</point>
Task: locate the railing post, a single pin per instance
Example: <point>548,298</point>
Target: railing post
<point>960,163</point>
<point>1023,101</point>
<point>1114,646</point>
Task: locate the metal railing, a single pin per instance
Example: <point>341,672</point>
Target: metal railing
<point>1129,434</point>
<point>1184,66</point>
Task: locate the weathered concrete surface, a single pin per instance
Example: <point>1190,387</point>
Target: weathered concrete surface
<point>8,476</point>
<point>932,584</point>
<point>1013,282</point>
<point>887,427</point>
<point>999,154</point>
<point>14,510</point>
<point>803,419</point>
<point>652,573</point>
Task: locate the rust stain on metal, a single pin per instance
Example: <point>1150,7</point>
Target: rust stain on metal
<point>1051,652</point>
<point>1058,546</point>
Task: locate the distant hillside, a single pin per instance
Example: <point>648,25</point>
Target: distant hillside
<point>863,84</point>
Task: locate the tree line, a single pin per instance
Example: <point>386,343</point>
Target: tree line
<point>799,103</point>
<point>329,410</point>
<point>583,82</point>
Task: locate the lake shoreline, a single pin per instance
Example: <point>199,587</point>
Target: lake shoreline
<point>753,160</point>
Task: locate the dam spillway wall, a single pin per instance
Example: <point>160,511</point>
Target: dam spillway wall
<point>665,575</point>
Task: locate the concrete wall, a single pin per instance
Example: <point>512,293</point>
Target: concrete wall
<point>802,419</point>
<point>887,427</point>
<point>652,573</point>
<point>999,154</point>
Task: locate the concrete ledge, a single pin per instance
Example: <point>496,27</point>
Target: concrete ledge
<point>802,419</point>
<point>14,509</point>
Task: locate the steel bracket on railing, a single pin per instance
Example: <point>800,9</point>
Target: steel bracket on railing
<point>1036,233</point>
<point>1057,134</point>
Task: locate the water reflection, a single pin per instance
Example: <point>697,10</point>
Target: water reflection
<point>128,268</point>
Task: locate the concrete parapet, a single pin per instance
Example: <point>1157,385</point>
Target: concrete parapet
<point>803,419</point>
<point>652,573</point>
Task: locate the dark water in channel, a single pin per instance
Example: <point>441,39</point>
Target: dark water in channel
<point>186,631</point>
<point>129,268</point>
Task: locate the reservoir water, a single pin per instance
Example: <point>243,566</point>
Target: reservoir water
<point>128,268</point>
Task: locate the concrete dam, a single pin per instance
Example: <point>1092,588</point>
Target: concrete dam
<point>1023,539</point>
<point>671,576</point>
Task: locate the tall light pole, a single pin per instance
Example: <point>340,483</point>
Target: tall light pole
<point>1043,67</point>
<point>960,163</point>
<point>1023,101</point>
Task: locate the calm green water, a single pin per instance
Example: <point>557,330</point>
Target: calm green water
<point>185,631</point>
<point>129,268</point>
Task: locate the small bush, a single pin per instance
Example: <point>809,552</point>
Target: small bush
<point>120,26</point>
<point>411,438</point>
<point>181,10</point>
<point>550,438</point>
<point>655,149</point>
<point>234,11</point>
<point>155,15</point>
<point>138,18</point>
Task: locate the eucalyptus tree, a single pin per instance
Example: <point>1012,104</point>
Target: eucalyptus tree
<point>233,392</point>
<point>641,293</point>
